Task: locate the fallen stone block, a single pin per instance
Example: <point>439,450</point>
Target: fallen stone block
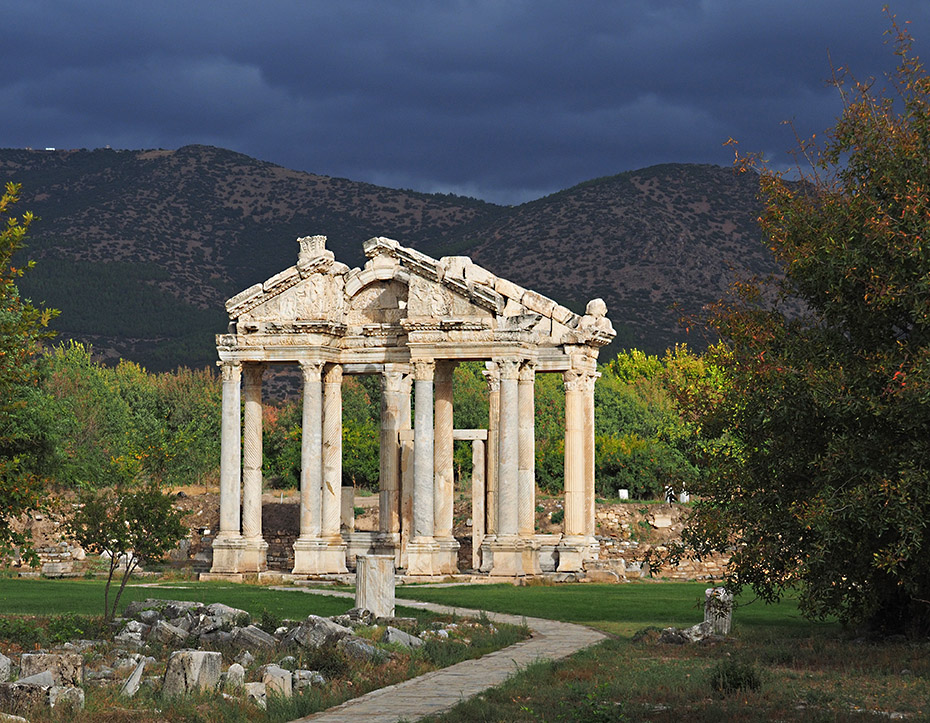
<point>167,634</point>
<point>315,632</point>
<point>67,669</point>
<point>235,676</point>
<point>63,696</point>
<point>399,637</point>
<point>253,638</point>
<point>256,692</point>
<point>359,649</point>
<point>277,680</point>
<point>131,686</point>
<point>6,667</point>
<point>191,670</point>
<point>307,679</point>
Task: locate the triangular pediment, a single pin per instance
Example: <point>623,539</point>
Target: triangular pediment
<point>403,286</point>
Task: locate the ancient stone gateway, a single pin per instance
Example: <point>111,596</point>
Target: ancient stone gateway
<point>410,319</point>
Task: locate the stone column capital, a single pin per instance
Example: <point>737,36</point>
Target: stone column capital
<point>332,374</point>
<point>492,376</point>
<point>312,371</point>
<point>509,368</point>
<point>586,381</point>
<point>231,370</point>
<point>528,371</point>
<point>424,369</point>
<point>392,381</point>
<point>573,380</point>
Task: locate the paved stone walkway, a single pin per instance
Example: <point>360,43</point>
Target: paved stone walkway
<point>440,690</point>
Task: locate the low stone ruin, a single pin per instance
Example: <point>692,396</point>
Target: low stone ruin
<point>186,634</point>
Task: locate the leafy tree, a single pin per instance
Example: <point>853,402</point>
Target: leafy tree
<point>823,484</point>
<point>26,424</point>
<point>131,525</point>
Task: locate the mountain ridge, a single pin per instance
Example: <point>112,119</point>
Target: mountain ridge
<point>140,249</point>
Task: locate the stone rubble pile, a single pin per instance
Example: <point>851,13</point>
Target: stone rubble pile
<point>178,631</point>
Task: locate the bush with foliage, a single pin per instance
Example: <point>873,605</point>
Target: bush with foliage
<point>823,486</point>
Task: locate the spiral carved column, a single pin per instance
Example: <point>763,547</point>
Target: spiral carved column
<point>422,549</point>
<point>228,545</point>
<point>526,480</point>
<point>443,490</point>
<point>331,497</point>
<point>573,542</point>
<point>507,554</point>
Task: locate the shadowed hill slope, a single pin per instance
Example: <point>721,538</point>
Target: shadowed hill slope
<point>139,249</point>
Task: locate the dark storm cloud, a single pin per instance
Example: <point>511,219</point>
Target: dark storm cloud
<point>503,100</point>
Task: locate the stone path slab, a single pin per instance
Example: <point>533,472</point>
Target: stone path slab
<point>440,690</point>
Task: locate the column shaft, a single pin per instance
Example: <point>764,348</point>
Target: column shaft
<point>389,472</point>
<point>526,514</point>
<point>423,450</point>
<point>588,432</point>
<point>508,450</point>
<point>443,490</point>
<point>574,523</point>
<point>492,376</point>
<point>311,451</point>
<point>331,504</point>
<point>230,451</point>
<point>252,453</point>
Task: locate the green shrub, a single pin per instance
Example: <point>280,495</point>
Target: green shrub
<point>730,676</point>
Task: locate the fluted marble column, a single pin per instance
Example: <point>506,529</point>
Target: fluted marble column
<point>507,553</point>
<point>443,474</point>
<point>228,545</point>
<point>331,502</point>
<point>573,542</point>
<point>392,382</point>
<point>589,490</point>
<point>308,545</point>
<point>254,558</point>
<point>492,377</point>
<point>526,479</point>
<point>422,549</point>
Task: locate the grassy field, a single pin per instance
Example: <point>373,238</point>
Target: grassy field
<point>615,609</point>
<point>776,666</point>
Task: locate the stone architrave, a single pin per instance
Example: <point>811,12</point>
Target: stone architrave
<point>374,584</point>
<point>404,311</point>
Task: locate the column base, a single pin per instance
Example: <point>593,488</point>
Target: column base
<point>254,557</point>
<point>487,553</point>
<point>592,549</point>
<point>423,557</point>
<point>572,551</point>
<point>508,557</point>
<point>314,556</point>
<point>227,555</point>
<point>448,555</point>
<point>530,556</point>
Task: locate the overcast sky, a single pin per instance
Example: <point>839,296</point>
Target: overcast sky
<point>505,100</point>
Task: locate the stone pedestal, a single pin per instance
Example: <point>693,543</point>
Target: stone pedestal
<point>423,557</point>
<point>374,584</point>
<point>227,555</point>
<point>507,554</point>
<point>572,551</point>
<point>312,557</point>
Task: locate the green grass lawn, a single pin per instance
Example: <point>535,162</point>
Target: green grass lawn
<point>85,597</point>
<point>615,609</point>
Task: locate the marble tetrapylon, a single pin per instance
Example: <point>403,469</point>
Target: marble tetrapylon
<point>409,319</point>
